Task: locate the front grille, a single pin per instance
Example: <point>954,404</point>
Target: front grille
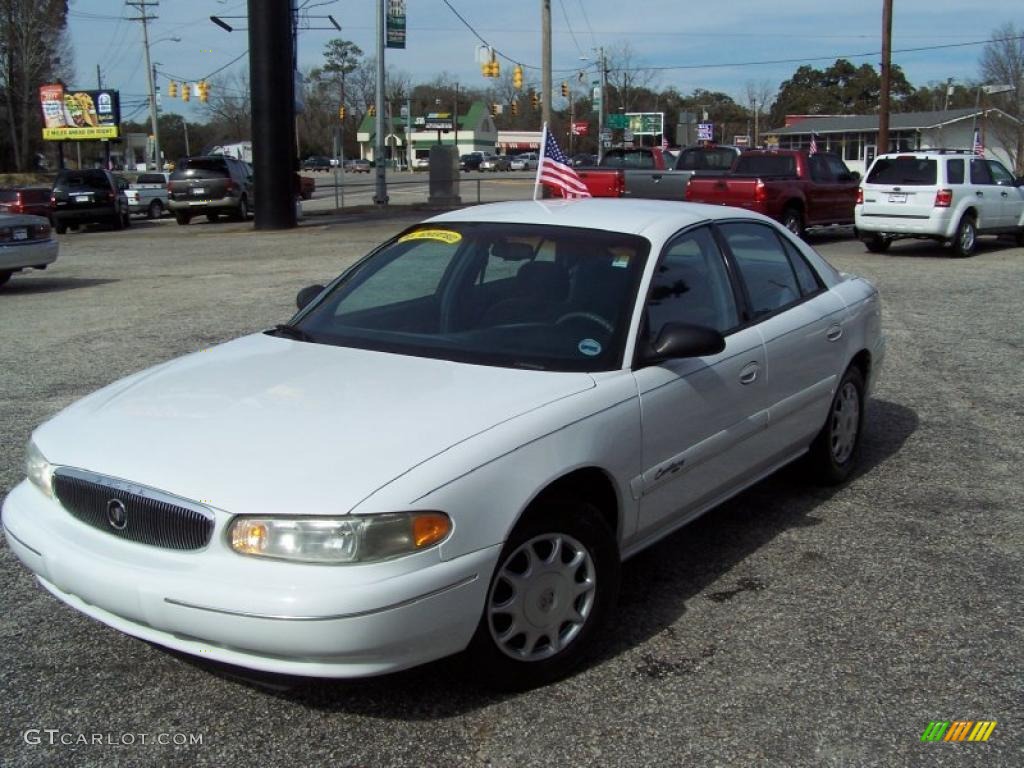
<point>148,517</point>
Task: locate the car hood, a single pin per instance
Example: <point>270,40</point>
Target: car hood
<point>267,425</point>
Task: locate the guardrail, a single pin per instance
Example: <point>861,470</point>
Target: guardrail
<point>479,189</point>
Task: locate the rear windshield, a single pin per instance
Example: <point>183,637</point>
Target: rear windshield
<point>766,165</point>
<point>705,160</point>
<point>908,171</point>
<point>620,159</point>
<point>150,178</point>
<point>7,195</point>
<point>94,179</point>
<point>202,168</point>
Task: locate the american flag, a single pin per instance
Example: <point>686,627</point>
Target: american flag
<point>814,146</point>
<point>556,172</point>
<point>979,148</point>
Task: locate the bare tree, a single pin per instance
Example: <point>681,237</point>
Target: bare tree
<point>33,50</point>
<point>625,76</point>
<point>229,106</point>
<point>1002,63</point>
<point>759,100</point>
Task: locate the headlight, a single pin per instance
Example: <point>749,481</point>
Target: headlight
<point>335,540</point>
<point>38,469</point>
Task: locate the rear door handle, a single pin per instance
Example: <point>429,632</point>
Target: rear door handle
<point>834,333</point>
<point>979,193</point>
<point>749,373</point>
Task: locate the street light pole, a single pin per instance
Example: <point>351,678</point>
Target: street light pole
<point>380,195</point>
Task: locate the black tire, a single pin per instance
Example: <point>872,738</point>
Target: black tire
<point>126,220</point>
<point>155,210</point>
<point>61,227</point>
<point>117,221</point>
<point>5,275</point>
<point>793,220</point>
<point>212,216</point>
<point>966,238</point>
<point>182,217</point>
<point>877,243</point>
<point>1020,237</point>
<point>835,450</point>
<point>551,589</point>
<point>243,209</point>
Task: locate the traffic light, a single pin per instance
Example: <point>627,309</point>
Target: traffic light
<point>565,90</point>
<point>491,68</point>
<point>172,90</point>
<point>517,77</point>
<point>494,110</point>
<point>515,108</point>
<point>372,110</point>
<point>341,112</point>
<point>204,91</point>
<point>535,100</point>
<point>186,91</point>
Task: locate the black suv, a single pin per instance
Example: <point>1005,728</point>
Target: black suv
<point>86,197</point>
<point>210,185</point>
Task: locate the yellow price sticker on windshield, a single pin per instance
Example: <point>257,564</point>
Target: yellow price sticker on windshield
<point>442,235</point>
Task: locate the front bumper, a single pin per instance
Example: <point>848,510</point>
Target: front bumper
<point>31,253</point>
<point>287,618</point>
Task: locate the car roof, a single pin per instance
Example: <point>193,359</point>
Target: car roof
<point>654,219</point>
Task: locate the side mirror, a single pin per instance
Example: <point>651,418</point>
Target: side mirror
<point>678,340</point>
<point>307,294</point>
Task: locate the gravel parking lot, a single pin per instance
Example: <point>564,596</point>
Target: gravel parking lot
<point>794,626</point>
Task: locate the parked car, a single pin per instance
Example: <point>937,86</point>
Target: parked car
<point>34,201</point>
<point>494,163</point>
<point>26,242</point>
<point>421,163</point>
<point>317,163</point>
<point>471,161</point>
<point>88,196</point>
<point>357,166</point>
<point>148,194</point>
<point>527,161</point>
<point>582,379</point>
<point>791,186</point>
<point>304,186</point>
<point>210,185</point>
<point>947,195</point>
<point>583,159</point>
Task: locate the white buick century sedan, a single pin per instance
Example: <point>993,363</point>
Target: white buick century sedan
<point>453,445</point>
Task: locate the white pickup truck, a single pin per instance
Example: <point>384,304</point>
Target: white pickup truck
<point>148,194</point>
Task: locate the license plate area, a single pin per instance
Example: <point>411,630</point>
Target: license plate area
<point>21,233</point>
<point>198,191</point>
<point>897,197</point>
<point>83,198</point>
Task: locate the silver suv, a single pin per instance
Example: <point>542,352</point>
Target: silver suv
<point>949,195</point>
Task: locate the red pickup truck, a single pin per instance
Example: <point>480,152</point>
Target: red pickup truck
<point>608,178</point>
<point>798,189</point>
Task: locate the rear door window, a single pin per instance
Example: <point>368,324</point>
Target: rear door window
<point>766,270</point>
<point>905,171</point>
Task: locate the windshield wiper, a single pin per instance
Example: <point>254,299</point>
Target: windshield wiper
<point>291,331</point>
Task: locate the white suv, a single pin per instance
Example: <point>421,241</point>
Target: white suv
<point>950,195</point>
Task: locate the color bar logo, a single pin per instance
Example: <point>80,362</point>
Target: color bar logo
<point>958,730</point>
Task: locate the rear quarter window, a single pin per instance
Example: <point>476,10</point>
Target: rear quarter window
<point>954,171</point>
<point>908,171</point>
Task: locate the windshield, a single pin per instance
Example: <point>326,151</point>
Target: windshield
<point>517,295</point>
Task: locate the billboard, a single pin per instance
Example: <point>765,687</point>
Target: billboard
<point>645,123</point>
<point>76,115</point>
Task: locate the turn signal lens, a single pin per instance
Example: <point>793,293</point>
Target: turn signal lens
<point>429,528</point>
<point>249,537</point>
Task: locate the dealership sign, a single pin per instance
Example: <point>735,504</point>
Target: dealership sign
<point>71,115</point>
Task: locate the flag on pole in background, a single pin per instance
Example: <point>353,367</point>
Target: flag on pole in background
<point>813,150</point>
<point>555,171</point>
<point>979,148</point>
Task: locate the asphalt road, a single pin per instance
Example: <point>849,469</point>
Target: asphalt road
<point>794,626</point>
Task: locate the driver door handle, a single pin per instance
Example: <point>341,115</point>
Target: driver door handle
<point>749,373</point>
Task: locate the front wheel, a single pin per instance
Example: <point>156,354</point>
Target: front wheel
<point>182,217</point>
<point>243,210</point>
<point>793,220</point>
<point>834,451</point>
<point>966,237</point>
<point>556,580</point>
<point>878,243</point>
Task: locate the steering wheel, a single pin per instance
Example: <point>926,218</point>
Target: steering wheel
<point>594,318</point>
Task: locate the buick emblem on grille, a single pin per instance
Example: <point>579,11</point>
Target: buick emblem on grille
<point>117,515</point>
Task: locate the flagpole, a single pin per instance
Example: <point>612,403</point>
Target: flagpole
<point>540,160</point>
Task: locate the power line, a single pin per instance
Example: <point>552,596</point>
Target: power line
<point>568,25</point>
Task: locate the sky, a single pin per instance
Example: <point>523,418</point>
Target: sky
<point>717,46</point>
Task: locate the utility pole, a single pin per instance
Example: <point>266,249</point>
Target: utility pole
<point>99,78</point>
<point>883,102</point>
<point>545,62</point>
<point>600,112</point>
<point>380,195</point>
<point>145,18</point>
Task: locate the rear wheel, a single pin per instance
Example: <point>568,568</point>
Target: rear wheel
<point>834,452</point>
<point>966,238</point>
<point>182,217</point>
<point>877,243</point>
<point>556,580</point>
<point>243,209</point>
<point>117,221</point>
<point>793,220</point>
<point>212,216</point>
<point>5,275</point>
<point>155,210</point>
<point>61,227</point>
<point>126,219</point>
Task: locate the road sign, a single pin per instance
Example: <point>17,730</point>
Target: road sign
<point>705,131</point>
<point>646,123</point>
<point>617,122</point>
<point>627,135</point>
<point>741,141</point>
<point>580,128</point>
